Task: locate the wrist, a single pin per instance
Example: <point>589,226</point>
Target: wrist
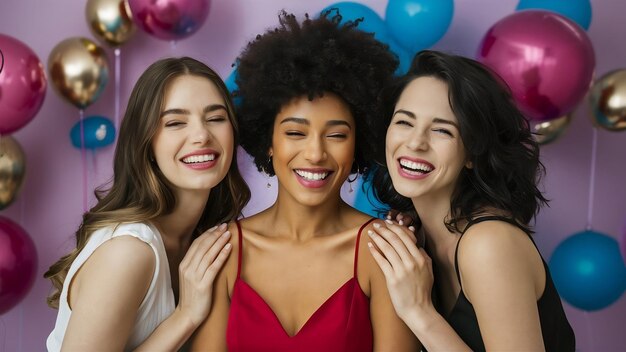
<point>185,320</point>
<point>420,319</point>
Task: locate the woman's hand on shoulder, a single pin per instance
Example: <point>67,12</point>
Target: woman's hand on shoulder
<point>197,272</point>
<point>407,268</point>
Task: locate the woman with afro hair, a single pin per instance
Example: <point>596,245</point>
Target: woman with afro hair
<point>302,278</point>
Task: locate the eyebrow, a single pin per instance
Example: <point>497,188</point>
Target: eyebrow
<point>302,121</point>
<point>207,109</point>
<point>435,120</point>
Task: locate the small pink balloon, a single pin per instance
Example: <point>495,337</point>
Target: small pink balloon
<point>18,264</point>
<point>546,59</point>
<point>169,19</point>
<point>22,84</point>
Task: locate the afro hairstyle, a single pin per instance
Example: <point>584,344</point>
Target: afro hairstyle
<point>308,59</point>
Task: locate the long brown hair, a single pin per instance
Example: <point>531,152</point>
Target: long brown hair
<point>139,192</point>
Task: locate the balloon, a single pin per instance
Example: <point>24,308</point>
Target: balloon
<point>99,132</point>
<point>170,19</point>
<point>110,21</point>
<point>231,85</point>
<point>548,131</point>
<point>371,23</point>
<point>418,24</point>
<point>588,270</point>
<point>22,85</point>
<point>546,59</point>
<point>578,11</point>
<point>79,70</point>
<point>18,264</point>
<point>12,170</point>
<point>622,243</point>
<point>607,99</point>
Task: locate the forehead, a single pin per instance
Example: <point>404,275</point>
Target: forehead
<point>426,96</point>
<point>191,89</point>
<point>320,109</point>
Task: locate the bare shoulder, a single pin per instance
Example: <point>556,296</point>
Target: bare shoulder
<point>494,253</point>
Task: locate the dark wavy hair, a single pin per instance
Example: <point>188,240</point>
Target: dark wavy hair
<point>139,191</point>
<point>308,59</point>
<point>497,138</point>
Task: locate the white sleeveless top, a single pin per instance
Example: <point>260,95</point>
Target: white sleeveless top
<point>158,303</point>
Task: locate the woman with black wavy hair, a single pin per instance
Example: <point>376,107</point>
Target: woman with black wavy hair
<point>302,280</point>
<point>461,154</point>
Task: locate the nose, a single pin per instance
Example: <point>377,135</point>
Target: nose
<point>419,140</point>
<point>315,151</point>
<point>200,133</point>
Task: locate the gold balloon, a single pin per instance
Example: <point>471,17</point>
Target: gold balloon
<point>110,20</point>
<point>607,99</point>
<point>79,70</point>
<point>548,131</point>
<point>12,170</point>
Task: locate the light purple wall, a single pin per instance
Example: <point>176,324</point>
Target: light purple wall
<point>50,203</point>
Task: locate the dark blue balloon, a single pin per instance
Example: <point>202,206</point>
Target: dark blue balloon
<point>366,202</point>
<point>231,85</point>
<point>578,11</point>
<point>371,23</point>
<point>588,270</point>
<point>99,132</point>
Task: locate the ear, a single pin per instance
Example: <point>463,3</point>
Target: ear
<point>270,152</point>
<point>469,164</point>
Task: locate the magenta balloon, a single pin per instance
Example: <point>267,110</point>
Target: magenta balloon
<point>169,19</point>
<point>18,264</point>
<point>545,58</point>
<point>22,85</point>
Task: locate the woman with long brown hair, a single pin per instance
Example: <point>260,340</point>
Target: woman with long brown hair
<point>155,238</point>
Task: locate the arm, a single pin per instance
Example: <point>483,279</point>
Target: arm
<point>118,275</point>
<point>390,333</point>
<point>211,335</point>
<point>409,277</point>
<point>488,283</point>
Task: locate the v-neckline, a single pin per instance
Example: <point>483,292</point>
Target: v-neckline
<point>315,313</point>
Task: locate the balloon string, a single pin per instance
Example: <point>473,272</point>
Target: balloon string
<point>592,178</point>
<point>589,333</point>
<point>83,154</point>
<point>3,334</point>
<point>94,163</point>
<point>117,87</point>
<point>21,326</point>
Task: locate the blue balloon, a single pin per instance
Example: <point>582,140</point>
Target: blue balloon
<point>418,24</point>
<point>578,11</point>
<point>588,270</point>
<point>231,85</point>
<point>371,23</point>
<point>99,132</point>
<point>366,202</point>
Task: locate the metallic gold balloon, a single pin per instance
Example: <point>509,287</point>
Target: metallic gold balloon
<point>79,70</point>
<point>548,131</point>
<point>607,99</point>
<point>110,20</point>
<point>12,170</point>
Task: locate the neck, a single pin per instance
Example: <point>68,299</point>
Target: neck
<point>301,222</point>
<point>433,213</point>
<point>177,227</point>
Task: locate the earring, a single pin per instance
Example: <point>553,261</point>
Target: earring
<point>269,162</point>
<point>350,181</point>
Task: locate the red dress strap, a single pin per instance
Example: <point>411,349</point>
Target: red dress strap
<point>240,247</point>
<point>356,248</point>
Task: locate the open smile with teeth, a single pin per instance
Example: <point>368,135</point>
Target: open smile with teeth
<point>415,167</point>
<point>195,159</point>
<point>312,176</point>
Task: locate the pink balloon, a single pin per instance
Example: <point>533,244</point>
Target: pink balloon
<point>18,264</point>
<point>545,58</point>
<point>22,85</point>
<point>170,19</point>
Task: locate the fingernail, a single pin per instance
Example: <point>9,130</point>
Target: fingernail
<point>223,226</point>
<point>369,244</point>
<point>226,234</point>
<point>227,246</point>
<point>400,216</point>
<point>376,225</point>
<point>412,228</point>
<point>388,217</point>
<point>370,232</point>
<point>213,228</point>
<point>389,222</point>
<point>400,222</point>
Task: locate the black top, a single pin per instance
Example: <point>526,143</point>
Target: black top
<point>556,330</point>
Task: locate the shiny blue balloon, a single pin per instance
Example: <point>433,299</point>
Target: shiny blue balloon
<point>366,202</point>
<point>231,85</point>
<point>578,11</point>
<point>588,270</point>
<point>371,23</point>
<point>418,24</point>
<point>99,132</point>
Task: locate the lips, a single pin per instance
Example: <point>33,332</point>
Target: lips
<point>415,169</point>
<point>312,178</point>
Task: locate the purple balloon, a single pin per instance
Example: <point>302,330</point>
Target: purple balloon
<point>22,84</point>
<point>18,264</point>
<point>169,19</point>
<point>545,58</point>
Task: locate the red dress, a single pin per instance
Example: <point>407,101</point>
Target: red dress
<point>341,323</point>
